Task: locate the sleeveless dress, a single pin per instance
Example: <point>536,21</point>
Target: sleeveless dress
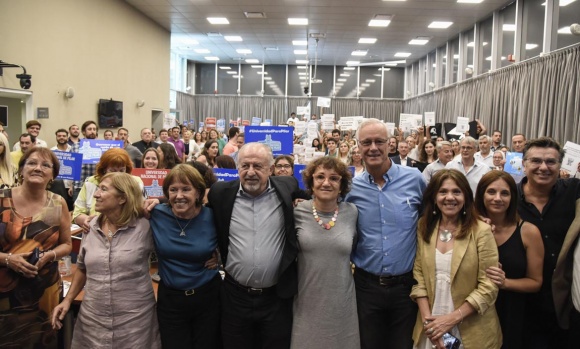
<point>325,314</point>
<point>443,303</point>
<point>511,306</point>
<point>26,303</point>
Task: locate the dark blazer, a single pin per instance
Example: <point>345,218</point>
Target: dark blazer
<point>221,198</point>
<point>410,163</point>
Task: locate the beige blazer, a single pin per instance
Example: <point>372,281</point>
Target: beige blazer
<point>562,278</point>
<point>472,255</point>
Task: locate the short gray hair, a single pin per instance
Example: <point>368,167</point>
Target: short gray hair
<point>257,146</point>
<point>440,145</point>
<point>469,140</point>
<point>372,121</point>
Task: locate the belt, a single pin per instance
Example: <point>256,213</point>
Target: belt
<point>387,281</point>
<point>254,291</point>
<point>201,289</point>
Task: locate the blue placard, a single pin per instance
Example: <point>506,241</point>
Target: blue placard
<point>280,139</point>
<point>256,121</point>
<point>70,165</point>
<point>514,163</point>
<point>298,169</point>
<point>225,174</point>
<point>93,149</point>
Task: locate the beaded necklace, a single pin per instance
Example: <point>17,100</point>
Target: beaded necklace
<point>330,223</point>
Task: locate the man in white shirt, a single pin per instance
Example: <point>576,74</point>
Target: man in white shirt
<point>33,127</point>
<point>467,164</point>
<point>484,154</point>
<point>445,154</point>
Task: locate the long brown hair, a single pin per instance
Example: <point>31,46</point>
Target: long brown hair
<point>511,214</point>
<point>432,215</point>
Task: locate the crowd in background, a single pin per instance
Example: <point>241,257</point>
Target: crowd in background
<point>406,240</point>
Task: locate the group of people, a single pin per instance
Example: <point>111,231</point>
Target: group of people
<point>385,257</point>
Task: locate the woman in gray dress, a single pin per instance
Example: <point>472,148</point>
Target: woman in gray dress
<point>325,313</point>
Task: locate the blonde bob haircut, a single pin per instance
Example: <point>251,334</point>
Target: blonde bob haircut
<point>129,189</point>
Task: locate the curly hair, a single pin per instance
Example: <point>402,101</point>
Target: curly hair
<point>328,163</point>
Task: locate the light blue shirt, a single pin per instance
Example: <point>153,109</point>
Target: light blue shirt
<point>387,220</point>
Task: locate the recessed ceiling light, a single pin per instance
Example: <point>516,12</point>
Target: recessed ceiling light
<point>345,74</point>
<point>367,40</point>
<point>256,66</point>
<point>339,84</point>
<point>298,21</point>
<point>509,27</point>
<point>271,48</point>
<point>365,85</point>
<point>212,58</point>
<point>303,77</point>
<point>563,3</point>
<point>255,15</point>
<point>531,46</point>
<point>402,54</point>
<point>301,61</point>
<point>299,42</point>
<point>565,30</point>
<point>301,67</point>
<point>440,25</point>
<point>470,1</point>
<point>370,80</point>
<point>267,78</point>
<point>472,44</point>
<point>380,21</point>
<point>359,53</point>
<point>343,80</point>
<point>238,76</point>
<point>302,74</point>
<point>232,72</point>
<point>252,60</point>
<point>300,52</point>
<point>420,40</point>
<point>218,20</point>
<point>202,50</point>
<point>262,73</point>
<point>349,68</point>
<point>352,62</point>
<point>244,51</point>
<point>233,38</point>
<point>377,75</point>
<point>213,34</point>
<point>224,67</point>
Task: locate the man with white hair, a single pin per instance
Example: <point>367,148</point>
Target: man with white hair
<point>484,154</point>
<point>444,154</point>
<point>467,164</point>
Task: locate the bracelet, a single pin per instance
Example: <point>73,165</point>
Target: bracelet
<point>461,314</point>
<point>54,259</point>
<point>7,259</point>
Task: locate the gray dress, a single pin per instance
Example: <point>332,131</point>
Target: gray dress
<point>325,313</point>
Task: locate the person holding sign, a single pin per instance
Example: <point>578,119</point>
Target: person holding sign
<point>325,306</point>
<point>7,170</point>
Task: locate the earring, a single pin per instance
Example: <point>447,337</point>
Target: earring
<point>434,213</point>
<point>464,213</point>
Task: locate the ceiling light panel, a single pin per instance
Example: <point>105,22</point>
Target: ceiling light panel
<point>402,54</point>
<point>440,25</point>
<point>301,61</point>
<point>218,20</point>
<point>359,53</point>
<point>509,27</point>
<point>470,1</point>
<point>244,51</point>
<point>298,21</point>
<point>367,40</point>
<point>380,21</point>
<point>212,58</point>
<point>202,50</point>
<point>252,60</point>
<point>233,38</point>
<point>299,42</point>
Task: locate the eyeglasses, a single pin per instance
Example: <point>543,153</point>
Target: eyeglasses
<point>550,162</point>
<point>285,166</point>
<point>332,179</point>
<point>378,142</point>
<point>466,148</point>
<point>44,165</point>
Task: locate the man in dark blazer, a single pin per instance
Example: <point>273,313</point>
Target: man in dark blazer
<point>257,241</point>
<point>403,149</point>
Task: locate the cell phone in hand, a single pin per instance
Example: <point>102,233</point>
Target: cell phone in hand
<point>34,256</point>
<point>450,341</point>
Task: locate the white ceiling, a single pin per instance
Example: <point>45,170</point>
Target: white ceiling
<point>343,21</point>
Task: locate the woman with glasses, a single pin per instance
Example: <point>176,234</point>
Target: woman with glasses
<point>113,160</point>
<point>355,159</point>
<point>325,314</point>
<point>31,217</point>
<point>283,166</point>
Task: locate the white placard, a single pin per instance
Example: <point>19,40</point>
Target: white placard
<point>347,123</point>
<point>390,127</point>
<point>302,110</point>
<point>169,121</point>
<point>571,158</point>
<point>300,127</point>
<point>327,121</point>
<point>323,102</point>
<point>415,120</point>
<point>462,124</point>
<point>429,118</point>
<point>406,125</point>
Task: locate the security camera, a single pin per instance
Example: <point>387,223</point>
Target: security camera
<point>25,82</point>
<point>575,29</point>
<point>306,89</point>
<point>469,70</point>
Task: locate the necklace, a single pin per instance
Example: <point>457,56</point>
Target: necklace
<point>183,228</point>
<point>330,223</point>
<point>445,235</point>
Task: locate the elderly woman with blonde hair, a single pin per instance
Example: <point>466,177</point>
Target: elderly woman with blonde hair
<point>118,308</point>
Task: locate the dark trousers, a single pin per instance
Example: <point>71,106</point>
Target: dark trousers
<point>190,321</point>
<point>542,331</point>
<point>254,320</point>
<point>386,313</point>
<point>574,330</point>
